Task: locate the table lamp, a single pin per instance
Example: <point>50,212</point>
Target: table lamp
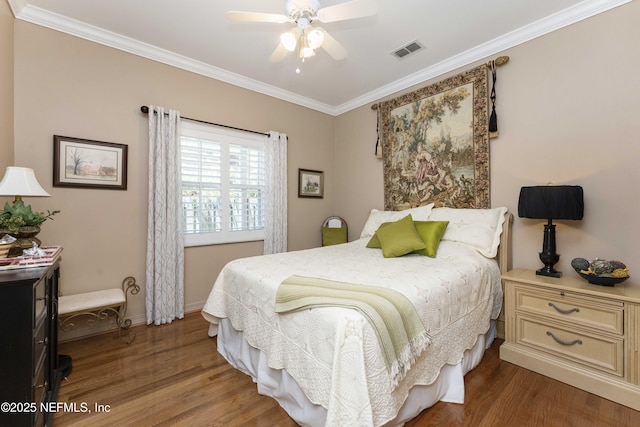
<point>20,182</point>
<point>550,202</point>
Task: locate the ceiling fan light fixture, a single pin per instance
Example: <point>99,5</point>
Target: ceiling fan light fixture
<point>306,52</point>
<point>315,38</point>
<point>304,38</point>
<point>288,40</point>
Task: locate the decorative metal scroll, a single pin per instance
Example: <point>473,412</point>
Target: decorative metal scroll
<point>435,144</point>
<point>130,287</point>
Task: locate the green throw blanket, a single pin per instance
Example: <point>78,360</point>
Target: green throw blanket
<point>394,319</point>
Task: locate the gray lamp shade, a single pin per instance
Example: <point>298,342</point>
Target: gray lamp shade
<point>551,202</point>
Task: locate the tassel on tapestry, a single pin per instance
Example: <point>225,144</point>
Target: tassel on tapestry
<point>493,119</point>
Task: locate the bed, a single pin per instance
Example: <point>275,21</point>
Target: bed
<point>328,365</point>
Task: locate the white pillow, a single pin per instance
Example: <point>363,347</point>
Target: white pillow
<point>377,217</point>
<point>478,228</point>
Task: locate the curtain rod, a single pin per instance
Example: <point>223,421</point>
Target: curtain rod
<point>145,110</point>
<point>499,61</point>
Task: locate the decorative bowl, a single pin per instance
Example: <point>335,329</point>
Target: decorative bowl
<point>602,281</point>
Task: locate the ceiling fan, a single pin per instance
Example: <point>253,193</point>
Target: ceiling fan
<point>304,36</point>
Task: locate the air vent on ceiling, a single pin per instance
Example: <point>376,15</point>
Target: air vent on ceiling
<point>408,49</point>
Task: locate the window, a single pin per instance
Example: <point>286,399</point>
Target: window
<point>223,184</point>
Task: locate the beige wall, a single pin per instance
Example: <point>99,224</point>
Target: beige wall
<point>72,87</point>
<point>568,106</point>
<point>568,111</point>
<point>6,87</point>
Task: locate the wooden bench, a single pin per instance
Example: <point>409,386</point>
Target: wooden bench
<point>98,305</point>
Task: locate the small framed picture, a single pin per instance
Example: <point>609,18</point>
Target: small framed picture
<point>310,183</point>
<point>84,163</point>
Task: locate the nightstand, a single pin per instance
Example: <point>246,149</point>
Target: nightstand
<point>584,335</point>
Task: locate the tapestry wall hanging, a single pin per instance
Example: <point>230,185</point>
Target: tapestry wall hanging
<point>435,144</point>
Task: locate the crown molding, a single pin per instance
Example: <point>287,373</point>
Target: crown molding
<point>17,6</point>
<point>588,8</point>
<point>45,18</point>
<point>524,34</point>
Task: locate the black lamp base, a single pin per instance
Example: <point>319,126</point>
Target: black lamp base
<point>548,256</point>
<point>548,271</point>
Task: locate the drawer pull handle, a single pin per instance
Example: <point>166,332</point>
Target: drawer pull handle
<point>559,341</point>
<point>560,310</point>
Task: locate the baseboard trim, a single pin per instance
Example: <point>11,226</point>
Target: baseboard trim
<point>106,327</point>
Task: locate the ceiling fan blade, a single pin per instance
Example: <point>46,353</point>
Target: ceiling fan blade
<point>348,10</point>
<point>278,54</point>
<point>333,48</point>
<point>256,17</point>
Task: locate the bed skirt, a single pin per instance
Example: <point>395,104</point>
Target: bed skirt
<point>278,384</point>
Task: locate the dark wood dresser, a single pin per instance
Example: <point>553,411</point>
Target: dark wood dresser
<point>29,375</point>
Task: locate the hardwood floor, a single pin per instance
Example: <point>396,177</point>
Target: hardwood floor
<point>173,375</point>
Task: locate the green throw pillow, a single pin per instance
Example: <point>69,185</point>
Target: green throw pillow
<point>430,232</point>
<point>333,235</point>
<point>374,242</point>
<point>399,238</point>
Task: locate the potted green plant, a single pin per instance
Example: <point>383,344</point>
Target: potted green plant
<point>21,222</point>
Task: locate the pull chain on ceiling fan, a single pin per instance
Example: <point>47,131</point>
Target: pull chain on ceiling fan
<point>304,36</point>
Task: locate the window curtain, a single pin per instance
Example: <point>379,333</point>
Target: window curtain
<point>165,238</point>
<point>275,230</point>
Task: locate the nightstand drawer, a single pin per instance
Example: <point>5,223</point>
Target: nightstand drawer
<point>39,301</point>
<point>591,313</point>
<point>604,353</point>
<point>39,345</point>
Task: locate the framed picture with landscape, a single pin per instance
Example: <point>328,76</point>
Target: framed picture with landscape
<point>310,183</point>
<point>84,163</point>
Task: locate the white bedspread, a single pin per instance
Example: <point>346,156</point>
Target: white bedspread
<point>329,351</point>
